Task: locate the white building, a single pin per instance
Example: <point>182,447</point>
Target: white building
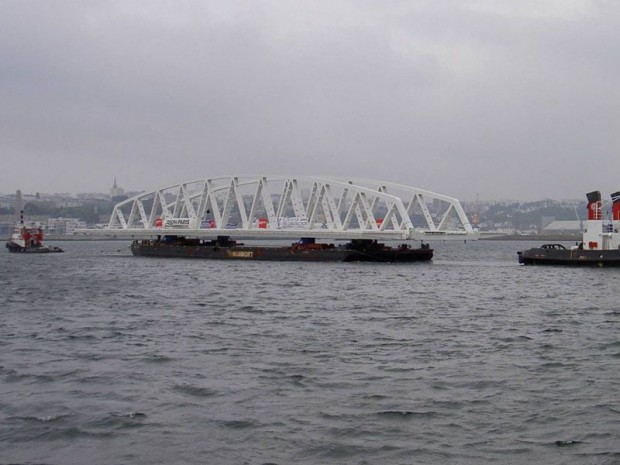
<point>64,226</point>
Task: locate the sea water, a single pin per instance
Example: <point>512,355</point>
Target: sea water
<point>107,358</point>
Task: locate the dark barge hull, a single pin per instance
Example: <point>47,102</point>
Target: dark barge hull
<point>377,253</point>
<point>566,257</point>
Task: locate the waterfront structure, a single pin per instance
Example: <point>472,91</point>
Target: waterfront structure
<point>19,205</point>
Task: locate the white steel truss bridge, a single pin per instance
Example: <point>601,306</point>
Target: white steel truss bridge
<point>283,207</point>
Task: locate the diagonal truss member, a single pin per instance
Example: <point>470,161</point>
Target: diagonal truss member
<point>283,206</point>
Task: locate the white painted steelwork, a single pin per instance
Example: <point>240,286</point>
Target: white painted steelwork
<point>277,207</point>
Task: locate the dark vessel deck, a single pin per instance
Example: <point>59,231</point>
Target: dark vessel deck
<point>223,248</point>
<point>557,254</point>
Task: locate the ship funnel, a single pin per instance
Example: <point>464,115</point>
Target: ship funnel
<point>615,199</point>
<point>595,206</point>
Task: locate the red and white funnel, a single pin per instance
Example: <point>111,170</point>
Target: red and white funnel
<point>595,206</point>
<point>615,209</point>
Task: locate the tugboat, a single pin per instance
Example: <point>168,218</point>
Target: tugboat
<point>28,239</point>
<point>600,245</point>
<point>306,250</point>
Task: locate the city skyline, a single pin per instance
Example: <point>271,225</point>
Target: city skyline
<point>116,189</point>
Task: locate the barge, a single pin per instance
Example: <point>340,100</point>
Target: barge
<point>600,245</point>
<point>305,250</point>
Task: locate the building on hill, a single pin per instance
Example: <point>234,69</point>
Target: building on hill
<point>64,226</point>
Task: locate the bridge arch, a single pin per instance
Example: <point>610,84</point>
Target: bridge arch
<point>291,206</point>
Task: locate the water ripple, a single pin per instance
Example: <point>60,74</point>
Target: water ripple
<point>470,359</point>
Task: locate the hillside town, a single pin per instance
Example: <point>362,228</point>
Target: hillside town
<point>61,214</point>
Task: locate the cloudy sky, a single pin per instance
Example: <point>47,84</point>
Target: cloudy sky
<point>504,99</point>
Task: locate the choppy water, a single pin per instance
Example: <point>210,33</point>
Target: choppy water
<point>472,359</point>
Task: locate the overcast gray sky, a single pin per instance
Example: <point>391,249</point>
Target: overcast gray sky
<point>507,99</point>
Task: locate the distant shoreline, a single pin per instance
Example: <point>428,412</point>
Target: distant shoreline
<point>533,237</point>
<point>483,237</point>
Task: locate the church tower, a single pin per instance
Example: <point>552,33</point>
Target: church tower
<point>116,191</point>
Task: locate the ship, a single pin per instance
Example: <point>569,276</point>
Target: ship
<point>600,245</point>
<point>28,239</point>
<point>304,250</point>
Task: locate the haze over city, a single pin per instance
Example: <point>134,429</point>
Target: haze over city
<point>496,99</point>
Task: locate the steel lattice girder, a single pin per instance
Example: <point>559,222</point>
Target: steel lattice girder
<point>290,206</point>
